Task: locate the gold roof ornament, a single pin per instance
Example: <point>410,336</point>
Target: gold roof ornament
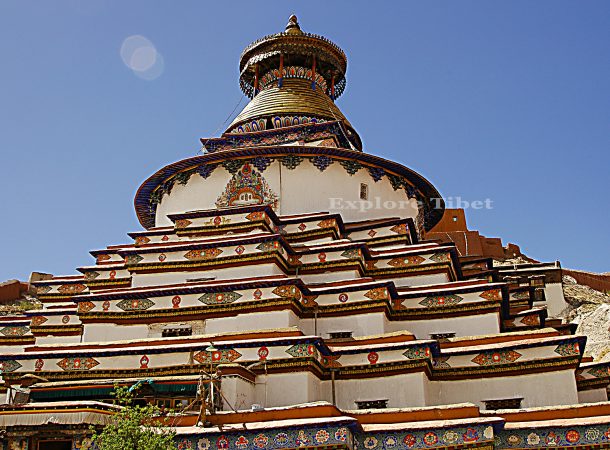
<point>293,73</point>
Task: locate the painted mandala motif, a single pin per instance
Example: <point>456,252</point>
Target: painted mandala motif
<point>500,357</point>
<point>203,444</point>
<point>84,307</point>
<point>390,442</point>
<point>441,300</point>
<point>77,363</point>
<point>341,434</point>
<point>302,350</point>
<point>409,440</point>
<point>247,187</point>
<point>219,298</point>
<point>377,294</point>
<point>572,436</point>
<point>65,319</point>
<point>140,304</point>
<point>10,365</point>
<point>72,288</point>
<point>430,438</point>
<point>218,356</point>
<point>373,357</point>
<point>451,437</point>
<point>38,320</point>
<point>533,439</point>
<point>568,349</point>
<point>203,254</point>
<point>287,292</point>
<point>406,261</point>
<point>14,331</point>
<point>592,434</point>
<point>322,436</point>
<point>417,352</point>
<point>281,439</point>
<point>370,442</point>
<point>260,441</point>
<point>513,440</point>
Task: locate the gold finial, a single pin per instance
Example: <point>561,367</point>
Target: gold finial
<point>292,27</point>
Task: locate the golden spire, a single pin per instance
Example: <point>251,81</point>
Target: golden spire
<point>292,27</point>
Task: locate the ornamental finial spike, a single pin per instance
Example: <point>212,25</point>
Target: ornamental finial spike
<point>292,27</point>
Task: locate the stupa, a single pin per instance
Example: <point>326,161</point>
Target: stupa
<point>282,294</point>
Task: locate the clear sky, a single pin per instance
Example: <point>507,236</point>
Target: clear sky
<point>487,99</point>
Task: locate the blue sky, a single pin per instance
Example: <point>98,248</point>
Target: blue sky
<point>501,100</point>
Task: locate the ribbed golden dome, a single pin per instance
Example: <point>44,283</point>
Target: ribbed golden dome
<point>295,97</point>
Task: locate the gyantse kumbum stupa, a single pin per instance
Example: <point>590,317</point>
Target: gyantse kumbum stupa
<point>272,313</point>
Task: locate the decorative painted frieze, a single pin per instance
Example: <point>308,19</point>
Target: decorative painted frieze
<point>140,304</point>
<point>401,228</point>
<point>352,253</point>
<point>568,349</point>
<point>182,223</point>
<point>406,261</point>
<point>499,357</point>
<point>417,353</point>
<point>9,365</point>
<point>287,292</point>
<point>302,350</point>
<point>84,307</point>
<point>45,289</point>
<point>202,254</point>
<point>219,298</point>
<point>586,436</point>
<point>77,363</point>
<point>441,300</point>
<point>440,257</point>
<point>268,246</point>
<point>380,293</point>
<point>14,331</point>
<point>72,289</point>
<point>439,438</point>
<point>37,321</point>
<point>492,294</point>
<point>133,259</point>
<point>217,356</point>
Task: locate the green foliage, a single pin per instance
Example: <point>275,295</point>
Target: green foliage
<point>135,427</point>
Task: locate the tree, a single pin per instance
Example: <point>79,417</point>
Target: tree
<point>135,427</point>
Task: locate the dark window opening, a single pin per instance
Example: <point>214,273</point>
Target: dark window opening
<point>54,445</point>
<point>364,191</point>
<point>442,336</point>
<point>503,403</point>
<point>372,404</point>
<point>177,332</point>
<point>340,334</point>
